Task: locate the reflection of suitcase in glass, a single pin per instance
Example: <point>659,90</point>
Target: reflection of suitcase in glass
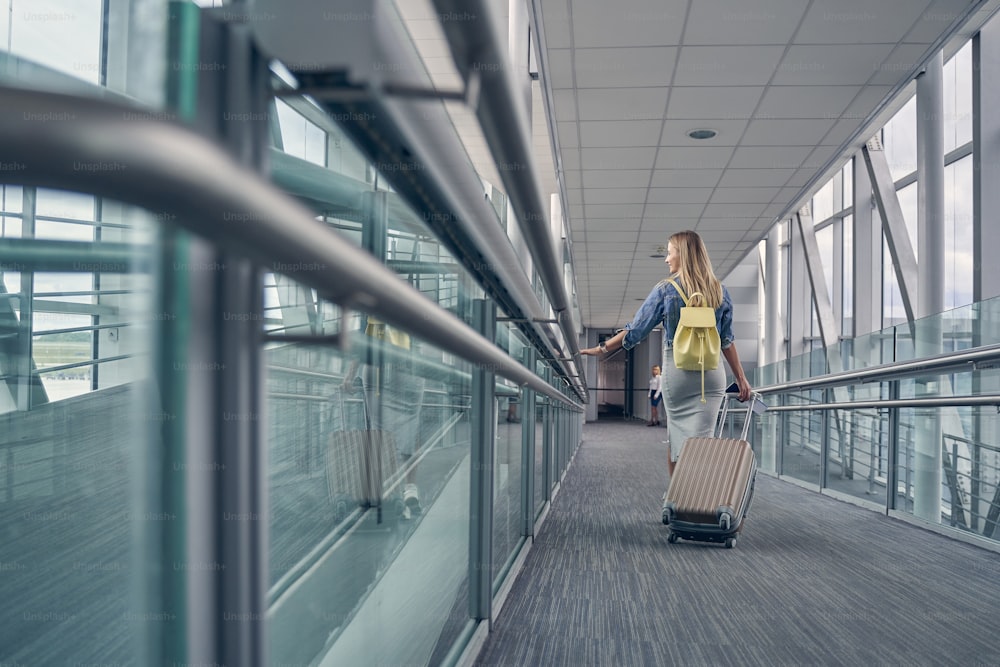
<point>712,485</point>
<point>360,465</point>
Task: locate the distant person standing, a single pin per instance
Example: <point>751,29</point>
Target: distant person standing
<point>655,396</point>
<point>691,268</point>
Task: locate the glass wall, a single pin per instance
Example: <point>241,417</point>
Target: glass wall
<point>77,425</point>
<point>947,459</point>
<point>369,480</point>
<point>366,483</point>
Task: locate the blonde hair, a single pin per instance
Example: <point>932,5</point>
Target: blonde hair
<point>695,268</point>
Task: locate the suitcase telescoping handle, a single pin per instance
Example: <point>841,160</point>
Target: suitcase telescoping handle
<point>754,405</point>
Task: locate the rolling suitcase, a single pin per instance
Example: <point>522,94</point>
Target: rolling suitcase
<point>713,483</point>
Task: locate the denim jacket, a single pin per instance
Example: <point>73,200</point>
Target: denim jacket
<point>664,305</point>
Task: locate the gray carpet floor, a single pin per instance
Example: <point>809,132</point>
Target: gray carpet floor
<point>812,580</point>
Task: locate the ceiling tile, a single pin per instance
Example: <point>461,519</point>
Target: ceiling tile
<point>935,20</point>
<point>616,196</point>
<point>679,195</point>
<point>555,17</point>
<point>669,211</point>
<point>567,134</point>
<point>757,195</point>
<point>560,72</point>
<point>755,177</point>
<point>601,237</point>
<point>573,179</point>
<point>635,22</point>
<point>633,223</point>
<point>571,158</point>
<point>618,158</point>
<point>699,157</point>
<point>863,105</point>
<point>564,104</point>
<point>609,133</point>
<point>840,132</point>
<point>675,132</point>
<point>685,178</point>
<point>734,210</point>
<point>769,157</point>
<point>727,65</point>
<point>612,211</point>
<point>858,21</point>
<point>624,67</point>
<point>702,103</point>
<point>716,236</point>
<point>621,178</point>
<point>787,132</point>
<point>726,22</point>
<point>805,101</point>
<point>621,103</point>
<point>830,65</point>
<point>904,61</point>
<point>725,223</point>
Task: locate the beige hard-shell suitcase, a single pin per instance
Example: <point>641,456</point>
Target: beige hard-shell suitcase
<point>712,485</point>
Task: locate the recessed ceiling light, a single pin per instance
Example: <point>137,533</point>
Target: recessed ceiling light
<point>702,133</point>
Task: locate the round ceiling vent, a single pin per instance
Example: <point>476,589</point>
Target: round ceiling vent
<point>702,133</point>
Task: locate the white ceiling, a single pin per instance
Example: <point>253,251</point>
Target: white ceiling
<point>787,84</point>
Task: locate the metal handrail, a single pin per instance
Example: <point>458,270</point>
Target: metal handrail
<point>479,54</point>
<point>932,402</point>
<point>449,193</point>
<point>100,147</point>
<point>979,358</point>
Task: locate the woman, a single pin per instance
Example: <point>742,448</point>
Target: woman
<point>655,394</point>
<point>687,417</point>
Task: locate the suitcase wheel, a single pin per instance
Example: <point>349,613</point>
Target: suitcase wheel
<point>730,542</point>
<point>666,516</point>
<point>672,538</point>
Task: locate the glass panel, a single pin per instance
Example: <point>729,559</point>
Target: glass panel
<point>69,472</point>
<point>847,320</point>
<point>507,527</point>
<point>369,477</point>
<point>823,202</point>
<point>848,185</point>
<point>957,98</point>
<point>62,34</point>
<point>958,242</point>
<point>802,438</point>
<point>858,459</point>
<point>899,136</point>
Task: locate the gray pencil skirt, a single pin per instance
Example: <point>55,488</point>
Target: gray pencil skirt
<point>687,416</point>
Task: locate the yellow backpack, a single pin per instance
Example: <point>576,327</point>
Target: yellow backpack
<point>696,341</point>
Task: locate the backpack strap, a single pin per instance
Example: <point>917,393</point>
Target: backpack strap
<point>679,290</point>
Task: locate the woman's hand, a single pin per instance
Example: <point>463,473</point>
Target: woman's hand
<point>745,389</point>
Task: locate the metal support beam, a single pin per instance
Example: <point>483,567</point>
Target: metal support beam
<point>867,249</point>
<point>798,298</point>
<point>224,444</point>
<point>985,231</point>
<point>829,327</point>
<point>927,460</point>
<point>483,425</point>
<point>986,165</point>
<point>528,445</point>
<point>893,224</point>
